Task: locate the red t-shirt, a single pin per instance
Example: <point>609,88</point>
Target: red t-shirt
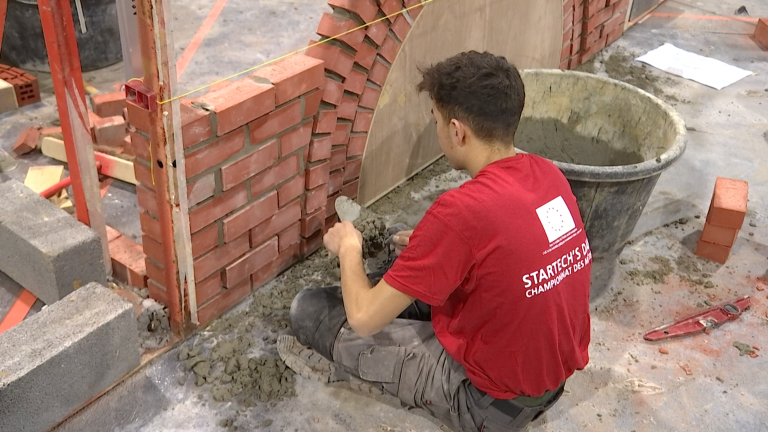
<point>505,263</point>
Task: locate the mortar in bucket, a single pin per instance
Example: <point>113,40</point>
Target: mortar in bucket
<point>612,141</point>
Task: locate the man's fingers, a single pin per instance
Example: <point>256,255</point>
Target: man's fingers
<point>402,238</point>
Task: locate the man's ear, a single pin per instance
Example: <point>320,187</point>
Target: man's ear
<point>458,133</point>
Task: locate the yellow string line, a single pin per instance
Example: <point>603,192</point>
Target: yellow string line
<point>292,53</point>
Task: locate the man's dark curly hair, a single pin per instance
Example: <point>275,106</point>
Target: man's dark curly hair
<point>481,90</point>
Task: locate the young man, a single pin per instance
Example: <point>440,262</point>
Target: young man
<point>502,262</point>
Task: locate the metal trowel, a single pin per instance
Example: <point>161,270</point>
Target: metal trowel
<point>347,209</point>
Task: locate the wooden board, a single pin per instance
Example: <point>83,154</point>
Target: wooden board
<point>7,97</point>
<point>402,138</point>
<point>110,166</point>
<point>40,178</point>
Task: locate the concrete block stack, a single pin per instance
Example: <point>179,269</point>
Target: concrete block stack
<point>588,27</point>
<point>724,219</point>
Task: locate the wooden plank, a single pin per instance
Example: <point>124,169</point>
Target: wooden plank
<point>111,166</point>
<point>40,178</point>
<point>7,97</point>
<point>402,138</point>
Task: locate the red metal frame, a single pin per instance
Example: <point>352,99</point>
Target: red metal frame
<point>3,10</point>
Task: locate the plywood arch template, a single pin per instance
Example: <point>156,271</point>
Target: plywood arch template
<point>401,140</point>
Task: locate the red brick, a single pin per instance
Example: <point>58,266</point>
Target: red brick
<point>223,302</point>
<point>312,102</point>
<point>713,252</point>
<point>325,121</point>
<point>295,139</point>
<point>335,180</point>
<point>729,203</point>
<point>140,145</point>
<point>390,7</point>
<point>600,17</point>
<point>330,221</point>
<point>143,174</point>
<point>128,262</point>
<point>365,9</point>
<point>195,124</point>
<point>352,169</point>
<point>200,190</point>
<point>289,237</point>
<point>313,222</point>
<point>110,131</point>
<point>286,259</point>
<point>335,58</point>
<point>379,73</point>
<point>338,158</point>
<point>112,233</point>
<point>377,32</point>
<point>333,25</point>
<point>247,167</point>
<point>568,19</point>
<point>279,221</point>
<point>389,49</point>
<point>214,153</point>
<point>355,82</point>
<point>566,64</point>
<point>54,132</point>
<point>333,91</point>
<point>239,103</point>
<point>330,206</point>
<point>590,40</point>
<point>614,35</point>
<point>365,56</point>
<point>350,189</point>
<point>276,175</point>
<point>317,175</point>
<point>205,240</point>
<point>155,271</point>
<point>267,126</point>
<point>220,257</point>
<point>594,49</point>
<point>401,27</point>
<point>356,145</point>
<point>108,104</point>
<point>157,292</point>
<point>719,235</point>
<point>414,13</point>
<point>207,213</point>
<point>293,76</point>
<point>567,36</point>
<point>341,135</point>
<point>153,249</point>
<point>316,198</point>
<point>620,6</point>
<point>146,199</point>
<point>592,7</point>
<point>207,288</point>
<point>312,244</point>
<point>289,191</point>
<point>761,32</point>
<point>149,225</point>
<point>363,121</point>
<point>568,5</point>
<point>247,218</point>
<point>319,149</point>
<point>250,262</point>
<point>370,98</point>
<point>347,108</point>
<point>616,21</point>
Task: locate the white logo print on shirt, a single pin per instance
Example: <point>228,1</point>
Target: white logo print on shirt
<point>556,219</point>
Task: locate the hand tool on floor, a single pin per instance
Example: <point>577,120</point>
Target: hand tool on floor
<point>701,322</point>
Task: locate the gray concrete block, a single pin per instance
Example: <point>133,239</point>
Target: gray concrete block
<point>58,360</point>
<point>43,248</point>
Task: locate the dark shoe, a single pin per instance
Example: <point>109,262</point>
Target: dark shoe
<point>317,315</point>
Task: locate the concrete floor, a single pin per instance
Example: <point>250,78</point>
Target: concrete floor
<point>628,385</point>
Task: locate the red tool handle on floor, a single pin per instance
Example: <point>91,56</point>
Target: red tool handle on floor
<point>709,319</point>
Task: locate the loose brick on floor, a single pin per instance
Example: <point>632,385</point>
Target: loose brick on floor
<point>713,252</point>
<point>719,235</point>
<point>108,104</point>
<point>729,203</point>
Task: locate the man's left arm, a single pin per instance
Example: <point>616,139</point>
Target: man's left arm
<point>369,309</point>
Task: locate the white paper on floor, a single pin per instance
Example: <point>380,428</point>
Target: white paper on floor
<point>708,71</point>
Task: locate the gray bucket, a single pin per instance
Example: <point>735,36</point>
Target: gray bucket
<point>612,141</point>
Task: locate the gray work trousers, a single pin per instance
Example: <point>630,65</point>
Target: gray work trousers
<point>407,361</point>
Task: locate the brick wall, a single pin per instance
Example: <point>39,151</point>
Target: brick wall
<point>588,27</point>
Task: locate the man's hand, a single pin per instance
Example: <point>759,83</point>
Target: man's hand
<point>401,241</point>
<point>343,235</point>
